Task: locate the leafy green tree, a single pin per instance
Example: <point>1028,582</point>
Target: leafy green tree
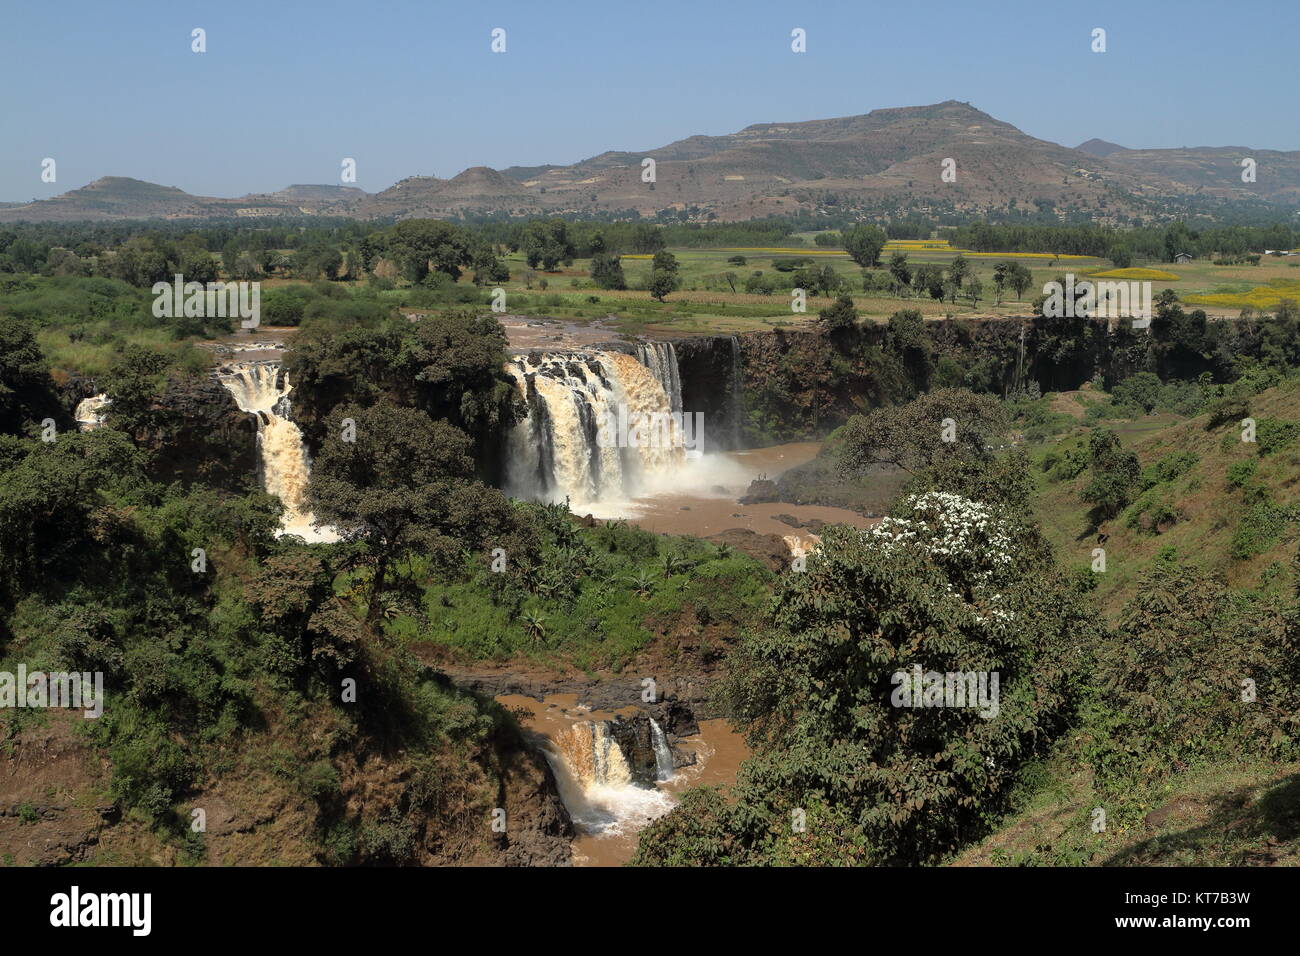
<point>1160,709</point>
<point>141,263</point>
<point>607,271</point>
<point>863,243</point>
<point>839,316</point>
<point>1115,474</point>
<point>943,423</point>
<point>24,374</point>
<point>547,243</point>
<point>663,275</point>
<point>959,269</point>
<point>945,586</point>
<point>1020,278</point>
<point>899,269</point>
<point>135,384</point>
<point>418,245</point>
<point>402,483</point>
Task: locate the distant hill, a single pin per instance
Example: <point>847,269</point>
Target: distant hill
<point>884,162</point>
<point>322,193</point>
<point>1099,147</point>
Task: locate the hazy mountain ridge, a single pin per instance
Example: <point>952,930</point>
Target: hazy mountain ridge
<point>888,158</point>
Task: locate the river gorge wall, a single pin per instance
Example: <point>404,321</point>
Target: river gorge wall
<point>757,388</point>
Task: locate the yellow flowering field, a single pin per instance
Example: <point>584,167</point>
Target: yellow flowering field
<point>1135,273</point>
<point>1260,297</point>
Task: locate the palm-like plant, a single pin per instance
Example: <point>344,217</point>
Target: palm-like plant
<point>674,564</point>
<point>534,625</point>
<point>642,585</point>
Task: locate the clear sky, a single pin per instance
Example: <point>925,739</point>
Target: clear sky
<point>287,89</point>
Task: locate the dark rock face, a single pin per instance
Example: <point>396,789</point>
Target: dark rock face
<point>635,738</point>
<point>541,831</point>
<point>207,438</point>
<point>711,369</point>
<point>680,699</point>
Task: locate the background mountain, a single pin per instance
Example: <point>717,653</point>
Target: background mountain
<point>886,162</point>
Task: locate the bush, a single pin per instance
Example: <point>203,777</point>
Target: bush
<point>1273,434</point>
<point>1168,468</point>
<point>1240,472</point>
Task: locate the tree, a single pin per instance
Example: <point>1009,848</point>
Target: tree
<point>928,280</point>
<point>863,244</point>
<point>839,316</point>
<point>416,245</point>
<point>24,374</point>
<point>942,423</point>
<point>547,243</point>
<point>944,588</point>
<point>898,268</point>
<point>1020,278</point>
<point>135,384</point>
<point>1001,277</point>
<point>140,262</point>
<point>959,269</point>
<point>607,271</point>
<point>401,483</point>
<point>974,289</point>
<point>663,275</point>
<point>1115,474</point>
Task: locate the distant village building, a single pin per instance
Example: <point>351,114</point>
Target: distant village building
<point>1183,257</point>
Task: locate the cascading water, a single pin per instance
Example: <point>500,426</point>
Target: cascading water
<point>262,389</point>
<point>596,782</point>
<point>556,453</point>
<point>91,412</point>
<point>663,753</point>
<point>661,359</point>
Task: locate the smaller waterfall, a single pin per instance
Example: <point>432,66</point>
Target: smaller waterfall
<point>90,413</point>
<point>663,753</point>
<point>262,389</point>
<point>596,781</point>
<point>594,756</point>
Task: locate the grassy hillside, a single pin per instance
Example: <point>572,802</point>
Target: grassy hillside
<point>1222,504</point>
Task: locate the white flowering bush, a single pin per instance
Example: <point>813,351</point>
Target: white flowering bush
<point>965,537</point>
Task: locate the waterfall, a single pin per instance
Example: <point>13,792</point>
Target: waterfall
<point>595,781</point>
<point>90,413</point>
<point>262,389</point>
<point>555,452</point>
<point>736,399</point>
<point>593,756</point>
<point>661,359</point>
<point>663,754</point>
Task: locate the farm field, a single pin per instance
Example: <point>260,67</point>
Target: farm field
<point>711,297</point>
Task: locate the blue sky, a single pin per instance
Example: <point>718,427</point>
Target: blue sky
<point>287,89</point>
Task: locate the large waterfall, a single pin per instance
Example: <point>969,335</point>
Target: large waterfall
<point>557,452</point>
<point>661,359</point>
<point>262,389</point>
